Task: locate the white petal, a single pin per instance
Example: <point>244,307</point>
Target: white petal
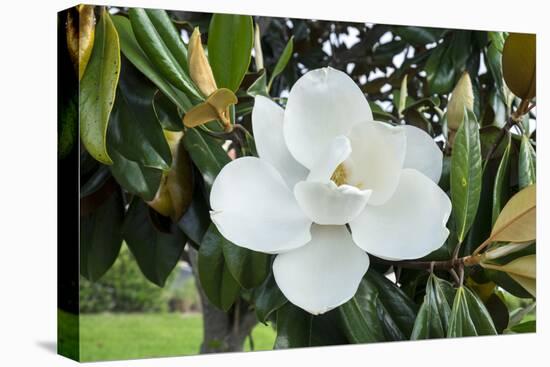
<point>376,160</point>
<point>323,274</point>
<point>408,226</point>
<point>423,154</point>
<point>326,203</point>
<point>267,125</point>
<point>253,208</point>
<point>322,104</point>
<point>337,152</point>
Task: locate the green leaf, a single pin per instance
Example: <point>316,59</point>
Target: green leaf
<point>217,282</point>
<point>101,237</point>
<point>269,299</point>
<point>494,61</point>
<point>447,61</point>
<point>169,35</point>
<point>440,71</point>
<point>432,320</point>
<point>297,328</point>
<point>525,327</point>
<point>156,252</point>
<point>158,50</point>
<point>527,170</point>
<point>196,220</point>
<point>379,311</point>
<point>466,174</point>
<point>135,138</point>
<point>498,311</point>
<point>259,87</point>
<point>98,89</point>
<point>282,62</point>
<point>500,191</point>
<point>207,154</point>
<point>418,36</point>
<point>133,52</point>
<point>230,42</point>
<point>249,268</point>
<point>167,112</point>
<point>469,317</point>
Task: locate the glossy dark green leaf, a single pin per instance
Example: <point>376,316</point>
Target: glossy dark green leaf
<point>135,139</point>
<point>494,61</point>
<point>466,174</point>
<point>133,52</point>
<point>159,52</point>
<point>440,71</point>
<point>169,35</point>
<point>217,282</point>
<point>101,237</point>
<point>379,311</point>
<point>196,220</point>
<point>230,42</point>
<point>527,170</point>
<point>138,127</point>
<point>167,113</point>
<point>500,191</point>
<point>525,327</point>
<point>498,311</point>
<point>98,89</point>
<point>418,36</point>
<point>95,181</point>
<point>432,320</point>
<point>156,252</point>
<point>269,299</point>
<point>282,62</point>
<point>469,317</point>
<point>207,154</point>
<point>249,268</point>
<point>447,62</point>
<point>259,87</point>
<point>297,328</point>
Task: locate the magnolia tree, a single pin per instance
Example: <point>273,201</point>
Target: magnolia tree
<point>343,182</point>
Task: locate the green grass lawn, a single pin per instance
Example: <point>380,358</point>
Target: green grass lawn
<point>126,336</point>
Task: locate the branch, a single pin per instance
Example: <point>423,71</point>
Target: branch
<point>427,265</point>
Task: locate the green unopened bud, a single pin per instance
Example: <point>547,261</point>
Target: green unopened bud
<point>462,97</point>
<point>519,64</point>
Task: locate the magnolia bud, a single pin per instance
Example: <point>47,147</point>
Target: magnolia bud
<point>519,64</point>
<point>462,97</point>
<point>199,67</point>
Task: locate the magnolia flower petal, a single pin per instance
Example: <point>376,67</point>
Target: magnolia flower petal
<point>326,203</point>
<point>253,208</point>
<point>408,226</point>
<point>336,153</point>
<point>376,160</point>
<point>423,154</point>
<point>322,104</point>
<point>323,274</point>
<point>267,125</point>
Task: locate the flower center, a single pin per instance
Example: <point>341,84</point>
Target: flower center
<point>339,177</point>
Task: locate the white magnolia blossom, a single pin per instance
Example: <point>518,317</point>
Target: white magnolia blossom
<point>324,163</point>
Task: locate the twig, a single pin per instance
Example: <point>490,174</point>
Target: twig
<point>427,265</point>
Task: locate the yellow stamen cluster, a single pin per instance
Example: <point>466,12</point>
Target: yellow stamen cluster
<point>339,177</point>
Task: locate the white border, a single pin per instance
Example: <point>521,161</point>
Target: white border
<point>28,184</point>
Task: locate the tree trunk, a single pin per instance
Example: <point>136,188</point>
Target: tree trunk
<point>223,332</point>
